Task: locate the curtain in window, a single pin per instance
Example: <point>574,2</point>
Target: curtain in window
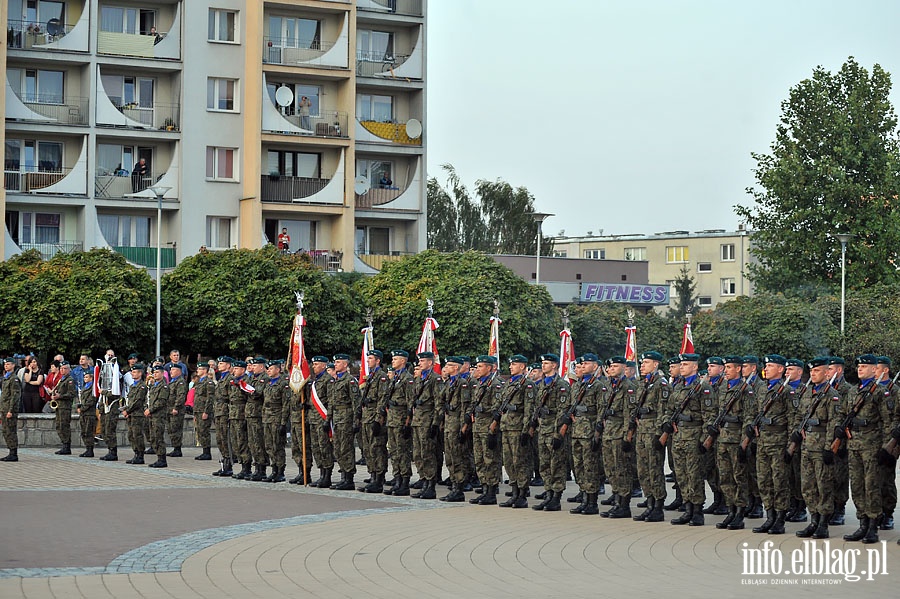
<point>109,227</point>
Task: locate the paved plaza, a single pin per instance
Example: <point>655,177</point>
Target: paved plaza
<point>74,527</point>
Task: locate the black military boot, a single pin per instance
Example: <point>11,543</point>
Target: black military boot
<point>770,521</point>
<point>477,499</point>
<point>756,509</point>
<point>821,531</point>
<point>244,474</point>
<point>206,455</point>
<point>548,497</point>
<point>175,453</point>
<point>279,474</point>
<point>513,495</point>
<point>139,459</point>
<point>66,449</point>
<point>325,481</point>
<point>871,535</point>
<point>677,502</point>
<point>887,521</point>
<point>418,485</point>
<point>579,509</point>
<point>297,480</point>
<point>810,529</point>
<point>590,505</point>
<point>623,510</point>
<point>732,514</point>
<point>837,518</point>
<point>521,499</point>
<point>272,475</point>
<point>860,532</point>
<point>697,518</point>
<point>645,503</point>
<point>714,505</point>
<point>649,505</point>
<point>553,505</point>
<point>611,500</point>
<point>12,456</point>
<point>656,514</point>
<point>112,455</point>
<point>159,463</point>
<point>579,498</point>
<point>346,484</point>
<point>738,522</point>
<point>429,491</point>
<point>456,494</point>
<point>87,453</point>
<point>778,527</point>
<point>395,484</point>
<point>317,481</point>
<point>686,516</point>
<point>149,451</point>
<point>799,514</point>
<point>227,469</point>
<point>376,485</point>
<point>403,487</point>
<point>490,495</point>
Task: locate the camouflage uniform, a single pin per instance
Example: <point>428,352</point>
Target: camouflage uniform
<point>158,402</point>
<point>454,409</point>
<point>771,470</point>
<point>841,466</point>
<point>177,396</point>
<point>253,412</point>
<point>87,403</point>
<point>237,420</point>
<point>276,413</point>
<point>817,475</point>
<point>650,416</point>
<point>397,404</point>
<point>10,396</point>
<point>554,462</point>
<point>204,389</point>
<point>615,403</point>
<point>870,429</point>
<point>427,391</point>
<point>374,446</point>
<point>135,406</point>
<point>66,394</point>
<point>220,393</point>
<point>889,471</point>
<point>318,441</point>
<point>689,436</point>
<point>516,405</point>
<point>466,388</point>
<point>759,392</point>
<point>485,401</point>
<point>587,394</point>
<point>731,464</point>
<point>343,405</point>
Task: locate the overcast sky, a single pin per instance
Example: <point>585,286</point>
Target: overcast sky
<point>632,117</point>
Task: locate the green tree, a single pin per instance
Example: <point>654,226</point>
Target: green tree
<point>685,299</point>
<point>834,167</point>
<point>242,302</point>
<point>463,287</point>
<point>73,303</point>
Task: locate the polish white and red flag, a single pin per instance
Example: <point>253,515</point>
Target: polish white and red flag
<point>630,344</point>
<point>428,343</point>
<point>687,342</point>
<point>566,354</point>
<point>494,344</point>
<point>367,345</point>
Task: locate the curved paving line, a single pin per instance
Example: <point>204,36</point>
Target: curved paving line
<point>168,555</point>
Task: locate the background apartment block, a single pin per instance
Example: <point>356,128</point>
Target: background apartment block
<point>256,115</point>
<point>717,259</point>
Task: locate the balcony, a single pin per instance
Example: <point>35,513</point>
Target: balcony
<point>50,249</point>
<point>121,184</point>
<point>146,256</point>
<point>375,131</point>
<point>277,188</point>
<point>33,180</point>
<point>327,260</point>
<point>377,197</point>
<point>308,53</point>
<point>155,115</point>
<point>377,64</point>
<point>411,8</point>
<point>376,261</point>
<point>62,111</point>
<point>52,35</point>
<point>166,44</point>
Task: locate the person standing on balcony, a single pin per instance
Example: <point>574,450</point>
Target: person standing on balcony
<point>138,174</point>
<point>284,240</point>
<point>305,103</point>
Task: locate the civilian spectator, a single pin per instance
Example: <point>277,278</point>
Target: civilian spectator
<point>32,385</point>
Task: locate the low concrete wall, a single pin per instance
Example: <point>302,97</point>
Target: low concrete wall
<point>39,430</point>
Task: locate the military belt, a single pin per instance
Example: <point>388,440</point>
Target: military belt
<point>685,418</point>
<point>816,429</point>
<point>644,410</point>
<point>731,419</point>
<point>861,422</point>
<point>774,428</point>
<point>479,409</point>
<point>510,409</point>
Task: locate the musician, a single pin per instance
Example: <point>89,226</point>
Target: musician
<point>87,410</point>
<point>111,402</point>
<point>64,393</point>
<point>134,412</point>
<point>10,395</point>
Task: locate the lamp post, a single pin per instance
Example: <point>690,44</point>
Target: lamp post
<point>539,218</point>
<point>159,191</point>
<point>843,238</point>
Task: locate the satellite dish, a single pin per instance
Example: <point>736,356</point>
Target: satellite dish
<point>54,27</point>
<point>413,128</point>
<point>284,96</point>
<point>361,185</point>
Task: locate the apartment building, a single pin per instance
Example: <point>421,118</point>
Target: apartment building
<point>717,259</point>
<point>313,121</point>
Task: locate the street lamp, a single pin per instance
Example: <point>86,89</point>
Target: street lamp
<point>159,191</point>
<point>539,218</point>
<point>843,238</point>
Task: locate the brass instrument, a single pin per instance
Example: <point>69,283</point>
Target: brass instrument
<point>54,397</point>
<point>109,382</point>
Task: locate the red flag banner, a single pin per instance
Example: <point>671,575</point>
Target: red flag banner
<point>566,354</point>
<point>368,344</point>
<point>630,344</point>
<point>687,342</point>
<point>428,343</point>
<point>494,344</point>
<point>299,366</point>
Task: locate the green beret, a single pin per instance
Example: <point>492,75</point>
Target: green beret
<point>630,363</point>
<point>518,358</point>
<point>734,360</point>
<point>674,360</point>
<point>867,359</point>
<point>715,360</point>
<point>138,366</point>
<point>428,355</point>
<point>89,373</point>
<point>819,361</point>
<point>837,360</point>
<point>455,359</point>
<point>377,353</point>
<point>751,360</point>
<point>486,360</point>
<point>156,368</point>
<point>329,365</point>
<point>579,360</point>
<point>535,366</point>
<point>277,363</point>
<point>321,359</point>
<point>615,360</point>
<point>549,358</point>
<point>883,360</point>
<point>402,353</point>
<point>690,357</point>
<point>794,362</point>
<point>203,365</point>
<point>590,357</point>
<point>465,359</point>
<point>652,355</point>
<point>341,357</point>
<point>256,360</point>
<point>13,361</point>
<point>135,356</point>
<point>775,359</point>
<point>236,364</point>
<point>228,359</point>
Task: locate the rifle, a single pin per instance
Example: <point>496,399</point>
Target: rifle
<point>847,423</point>
<point>636,415</point>
<point>716,426</point>
<point>567,417</point>
<point>470,416</point>
<point>535,417</point>
<point>492,428</point>
<point>664,438</point>
<point>800,431</point>
<point>771,396</point>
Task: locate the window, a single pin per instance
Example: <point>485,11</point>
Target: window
<point>220,163</point>
<point>727,252</point>
<point>288,32</point>
<point>560,253</point>
<point>635,253</point>
<point>218,232</point>
<point>220,94</point>
<point>376,46</point>
<point>704,267</point>
<point>125,231</point>
<point>374,169</point>
<point>39,228</point>
<point>375,108</point>
<point>676,254</point>
<point>222,25</point>
<point>117,19</point>
<point>113,159</point>
<point>595,254</point>
<point>129,92</point>
<point>311,92</point>
<point>37,85</point>
<point>30,156</point>
<point>704,301</point>
<point>294,164</point>
<point>728,286</point>
<point>373,240</point>
<point>37,11</point>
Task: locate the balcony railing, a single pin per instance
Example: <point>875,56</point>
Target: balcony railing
<point>369,64</point>
<point>118,184</point>
<point>27,35</point>
<point>392,132</point>
<point>64,111</point>
<point>165,117</point>
<point>146,256</point>
<point>129,44</point>
<point>376,197</point>
<point>377,261</point>
<point>277,188</point>
<point>33,180</point>
<point>277,50</point>
<point>327,124</point>
<point>50,249</point>
<point>327,260</point>
<point>412,8</point>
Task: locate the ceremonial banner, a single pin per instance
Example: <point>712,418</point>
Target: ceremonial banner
<point>297,363</point>
<point>630,344</point>
<point>566,354</point>
<point>687,342</point>
<point>368,344</point>
<point>494,344</point>
<point>426,341</point>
